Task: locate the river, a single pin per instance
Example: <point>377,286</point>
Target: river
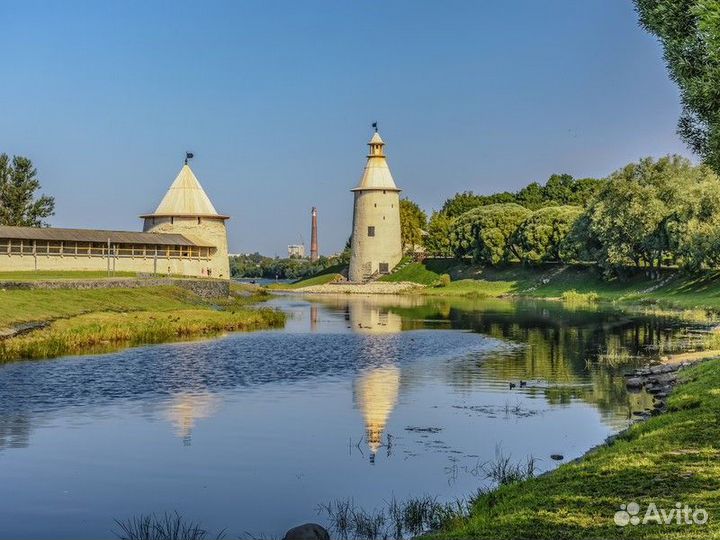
<point>362,397</point>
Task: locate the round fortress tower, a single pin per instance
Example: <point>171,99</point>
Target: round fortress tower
<point>376,245</point>
<point>186,209</point>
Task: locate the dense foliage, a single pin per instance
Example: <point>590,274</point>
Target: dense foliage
<point>254,265</point>
<point>648,214</point>
<point>413,222</point>
<point>18,187</point>
<point>540,237</point>
<point>485,233</point>
<point>690,33</point>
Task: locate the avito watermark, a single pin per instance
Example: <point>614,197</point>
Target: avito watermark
<point>681,514</point>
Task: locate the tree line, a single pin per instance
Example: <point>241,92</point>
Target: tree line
<point>650,214</point>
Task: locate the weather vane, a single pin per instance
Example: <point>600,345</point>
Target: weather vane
<point>375,126</point>
<point>188,155</point>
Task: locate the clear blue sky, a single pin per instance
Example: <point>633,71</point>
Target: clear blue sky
<point>276,100</point>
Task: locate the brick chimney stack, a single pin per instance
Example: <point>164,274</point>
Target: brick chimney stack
<point>314,254</point>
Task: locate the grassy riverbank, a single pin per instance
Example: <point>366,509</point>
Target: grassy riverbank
<point>668,459</point>
<point>81,321</point>
<point>674,289</point>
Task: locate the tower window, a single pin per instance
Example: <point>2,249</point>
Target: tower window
<point>199,220</point>
<point>172,220</point>
<point>383,192</point>
<point>375,205</point>
<point>371,231</point>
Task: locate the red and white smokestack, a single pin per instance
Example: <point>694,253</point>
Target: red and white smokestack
<point>314,254</point>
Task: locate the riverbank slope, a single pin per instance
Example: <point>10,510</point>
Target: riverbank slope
<point>668,459</point>
<point>673,289</point>
<point>46,323</point>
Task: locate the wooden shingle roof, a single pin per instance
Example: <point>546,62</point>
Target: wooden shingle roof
<point>53,234</point>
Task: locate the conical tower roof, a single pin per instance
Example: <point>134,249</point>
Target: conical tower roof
<point>186,197</point>
<point>377,173</point>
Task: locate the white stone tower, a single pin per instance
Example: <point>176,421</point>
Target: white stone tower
<point>376,244</point>
<point>186,209</point>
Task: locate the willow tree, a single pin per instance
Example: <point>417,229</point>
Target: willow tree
<point>689,31</point>
<point>486,232</point>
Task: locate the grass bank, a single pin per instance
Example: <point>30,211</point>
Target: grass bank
<point>668,459</point>
<point>100,320</point>
<point>674,289</point>
<point>330,274</point>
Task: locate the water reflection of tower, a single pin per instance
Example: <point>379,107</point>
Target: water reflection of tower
<point>368,318</point>
<point>376,394</point>
<point>186,409</point>
<point>376,390</point>
<point>313,317</point>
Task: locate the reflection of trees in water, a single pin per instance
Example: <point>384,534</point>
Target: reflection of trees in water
<point>561,347</point>
<point>14,430</point>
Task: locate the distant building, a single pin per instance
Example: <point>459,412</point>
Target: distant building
<point>376,246</point>
<point>314,250</point>
<point>185,235</point>
<point>296,250</point>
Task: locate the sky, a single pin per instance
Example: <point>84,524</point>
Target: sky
<point>276,100</point>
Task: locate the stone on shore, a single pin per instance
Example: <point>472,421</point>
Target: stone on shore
<point>307,531</point>
<point>374,287</point>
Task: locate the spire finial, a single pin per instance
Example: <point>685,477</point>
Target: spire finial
<point>188,155</point>
<point>374,125</point>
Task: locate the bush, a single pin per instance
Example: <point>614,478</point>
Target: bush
<point>443,281</point>
<point>574,297</point>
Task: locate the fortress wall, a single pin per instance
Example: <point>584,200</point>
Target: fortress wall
<point>211,231</point>
<point>192,267</point>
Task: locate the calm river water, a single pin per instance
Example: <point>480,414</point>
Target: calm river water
<point>357,397</point>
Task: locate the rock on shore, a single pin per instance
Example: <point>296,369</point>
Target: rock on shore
<point>374,287</point>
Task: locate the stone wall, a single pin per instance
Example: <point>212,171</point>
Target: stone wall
<point>205,288</point>
<point>184,266</point>
<point>379,209</point>
<point>208,229</point>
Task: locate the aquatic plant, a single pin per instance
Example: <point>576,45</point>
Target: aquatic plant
<point>573,297</point>
<point>397,519</point>
<point>168,526</point>
<point>503,470</point>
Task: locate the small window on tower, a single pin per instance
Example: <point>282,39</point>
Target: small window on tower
<point>172,220</point>
<point>371,231</point>
<point>199,220</point>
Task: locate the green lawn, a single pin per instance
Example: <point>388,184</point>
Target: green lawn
<point>107,319</point>
<point>332,273</point>
<point>675,289</point>
<point>18,306</point>
<point>669,459</point>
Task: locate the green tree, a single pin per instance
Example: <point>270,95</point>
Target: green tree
<point>694,229</point>
<point>630,216</point>
<point>437,241</point>
<point>18,187</point>
<point>531,196</point>
<point>413,222</point>
<point>559,189</point>
<point>460,203</point>
<point>485,233</point>
<point>539,237</point>
<point>690,33</point>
